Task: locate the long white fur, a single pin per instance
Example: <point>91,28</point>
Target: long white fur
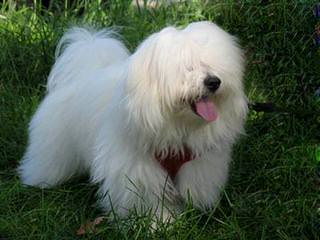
<point>107,112</point>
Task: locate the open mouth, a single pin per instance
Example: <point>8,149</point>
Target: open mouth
<point>205,109</point>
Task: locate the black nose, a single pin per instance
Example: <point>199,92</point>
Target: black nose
<point>212,83</point>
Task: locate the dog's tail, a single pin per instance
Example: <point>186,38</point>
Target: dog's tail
<point>81,51</point>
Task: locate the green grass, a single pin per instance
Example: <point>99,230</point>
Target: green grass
<point>271,192</point>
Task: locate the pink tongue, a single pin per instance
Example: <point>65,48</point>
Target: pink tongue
<point>206,109</point>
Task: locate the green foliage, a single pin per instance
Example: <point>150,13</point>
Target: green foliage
<point>271,193</point>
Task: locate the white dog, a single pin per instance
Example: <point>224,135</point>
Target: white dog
<point>153,129</point>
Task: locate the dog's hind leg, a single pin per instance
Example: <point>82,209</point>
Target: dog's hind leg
<point>46,164</point>
<point>51,157</point>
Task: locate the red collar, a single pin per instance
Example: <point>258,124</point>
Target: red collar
<point>173,162</point>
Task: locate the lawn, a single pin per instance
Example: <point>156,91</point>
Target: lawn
<point>272,192</point>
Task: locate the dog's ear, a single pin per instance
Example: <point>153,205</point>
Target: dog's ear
<point>142,88</point>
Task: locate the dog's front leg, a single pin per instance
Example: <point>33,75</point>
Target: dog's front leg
<point>202,179</point>
<point>135,184</point>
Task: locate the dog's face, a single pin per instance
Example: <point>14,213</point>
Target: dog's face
<point>192,75</point>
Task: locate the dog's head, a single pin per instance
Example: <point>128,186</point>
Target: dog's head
<point>191,76</point>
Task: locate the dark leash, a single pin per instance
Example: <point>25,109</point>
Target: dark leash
<point>263,107</point>
<point>269,107</point>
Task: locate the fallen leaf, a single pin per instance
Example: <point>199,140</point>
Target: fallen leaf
<point>89,226</point>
